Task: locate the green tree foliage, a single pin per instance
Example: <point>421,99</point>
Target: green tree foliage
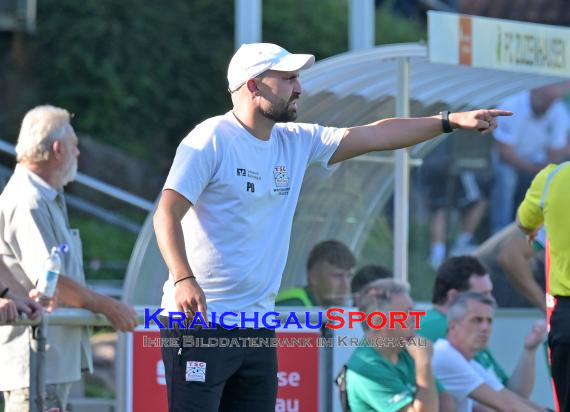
<point>319,27</point>
<point>394,28</point>
<point>138,73</point>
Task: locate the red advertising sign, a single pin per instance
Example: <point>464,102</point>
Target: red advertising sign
<point>298,375</point>
<point>148,389</point>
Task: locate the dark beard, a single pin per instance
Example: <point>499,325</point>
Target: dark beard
<point>280,113</point>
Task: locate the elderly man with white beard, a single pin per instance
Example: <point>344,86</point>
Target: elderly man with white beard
<point>33,219</point>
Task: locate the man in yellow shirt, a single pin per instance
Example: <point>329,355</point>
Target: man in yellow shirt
<point>547,202</point>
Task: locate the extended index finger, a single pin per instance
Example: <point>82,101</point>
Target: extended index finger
<point>498,112</point>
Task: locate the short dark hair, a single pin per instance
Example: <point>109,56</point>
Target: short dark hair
<point>333,252</point>
<point>368,274</point>
<point>454,273</point>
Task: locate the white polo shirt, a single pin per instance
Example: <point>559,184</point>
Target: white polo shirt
<point>460,376</point>
<point>244,193</point>
<point>531,137</point>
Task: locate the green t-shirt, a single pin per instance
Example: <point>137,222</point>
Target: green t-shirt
<point>375,384</point>
<point>434,326</point>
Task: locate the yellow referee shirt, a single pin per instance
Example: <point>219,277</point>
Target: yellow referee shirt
<point>548,201</point>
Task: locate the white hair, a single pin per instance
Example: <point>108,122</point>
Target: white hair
<point>377,296</point>
<point>460,305</point>
<point>41,127</point>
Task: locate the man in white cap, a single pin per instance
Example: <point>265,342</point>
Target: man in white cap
<point>224,220</point>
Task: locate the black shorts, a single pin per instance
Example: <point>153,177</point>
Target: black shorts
<point>219,378</point>
<point>466,189</point>
<point>559,343</point>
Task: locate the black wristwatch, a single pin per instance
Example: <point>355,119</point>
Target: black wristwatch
<point>445,124</point>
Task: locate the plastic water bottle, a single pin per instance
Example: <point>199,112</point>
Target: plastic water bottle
<point>47,282</point>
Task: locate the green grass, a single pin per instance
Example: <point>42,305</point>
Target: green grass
<point>421,274</point>
<point>102,242</point>
<point>94,388</point>
<point>379,249</point>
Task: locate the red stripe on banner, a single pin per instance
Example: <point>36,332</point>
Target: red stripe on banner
<point>465,40</point>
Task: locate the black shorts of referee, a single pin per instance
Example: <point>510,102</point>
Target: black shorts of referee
<point>220,377</point>
<point>559,343</point>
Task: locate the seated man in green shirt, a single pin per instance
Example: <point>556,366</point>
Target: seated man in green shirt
<point>391,370</point>
<point>467,274</point>
<point>329,270</point>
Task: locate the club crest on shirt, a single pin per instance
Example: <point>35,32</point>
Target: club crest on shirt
<point>280,175</point>
<point>195,371</point>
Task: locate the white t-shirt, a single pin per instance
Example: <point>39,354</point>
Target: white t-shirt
<point>531,137</point>
<point>244,192</point>
<point>460,376</point>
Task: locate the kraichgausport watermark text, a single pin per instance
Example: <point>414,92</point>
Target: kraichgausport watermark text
<point>333,318</point>
<point>321,342</point>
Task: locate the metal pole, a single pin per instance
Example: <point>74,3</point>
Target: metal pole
<point>121,372</point>
<point>361,31</point>
<point>38,366</point>
<point>98,185</point>
<point>402,178</point>
<point>31,14</point>
<point>327,389</point>
<point>247,22</point>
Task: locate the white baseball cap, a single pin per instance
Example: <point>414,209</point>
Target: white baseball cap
<point>250,60</point>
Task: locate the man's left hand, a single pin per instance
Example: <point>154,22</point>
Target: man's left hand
<point>483,121</point>
<point>536,335</point>
<point>31,307</point>
<point>122,317</point>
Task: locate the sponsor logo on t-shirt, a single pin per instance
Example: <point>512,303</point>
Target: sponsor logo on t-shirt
<point>252,174</point>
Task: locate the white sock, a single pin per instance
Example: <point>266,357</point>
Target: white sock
<point>464,239</point>
<point>437,254</point>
